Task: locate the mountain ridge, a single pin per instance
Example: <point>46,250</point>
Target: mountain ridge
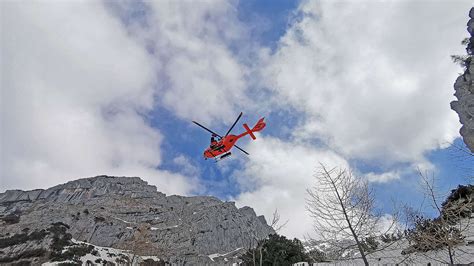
<point>128,213</point>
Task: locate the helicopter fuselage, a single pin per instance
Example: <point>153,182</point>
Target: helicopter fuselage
<point>222,146</point>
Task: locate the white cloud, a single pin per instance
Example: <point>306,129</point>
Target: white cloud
<point>277,177</point>
<point>388,224</point>
<point>75,89</point>
<point>374,79</point>
<point>200,76</point>
<point>186,166</point>
<point>383,177</point>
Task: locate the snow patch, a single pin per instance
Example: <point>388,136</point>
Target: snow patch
<point>216,255</point>
<point>127,222</point>
<point>107,254</point>
<point>56,263</point>
<point>164,228</point>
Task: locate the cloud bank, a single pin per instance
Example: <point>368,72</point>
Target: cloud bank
<point>195,56</point>
<point>75,92</point>
<point>374,79</point>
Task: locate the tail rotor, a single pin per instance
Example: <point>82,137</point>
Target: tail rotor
<point>259,126</point>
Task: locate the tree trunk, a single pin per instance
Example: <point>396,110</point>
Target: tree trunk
<point>261,256</point>
<point>359,246</point>
<point>253,257</point>
<point>450,255</point>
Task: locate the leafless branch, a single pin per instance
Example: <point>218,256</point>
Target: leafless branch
<point>276,222</point>
<point>343,208</point>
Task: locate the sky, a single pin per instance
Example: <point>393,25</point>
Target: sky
<point>111,87</point>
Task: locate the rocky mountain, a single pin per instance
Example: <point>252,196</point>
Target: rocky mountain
<point>123,213</point>
<point>464,88</point>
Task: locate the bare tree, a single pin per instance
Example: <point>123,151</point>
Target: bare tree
<point>275,224</point>
<point>255,244</point>
<point>260,242</point>
<point>343,208</point>
<point>447,230</point>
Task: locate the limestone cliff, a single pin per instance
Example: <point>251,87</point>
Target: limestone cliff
<point>128,214</point>
<point>464,88</point>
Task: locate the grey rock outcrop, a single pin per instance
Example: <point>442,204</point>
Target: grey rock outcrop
<point>127,213</point>
<point>464,88</point>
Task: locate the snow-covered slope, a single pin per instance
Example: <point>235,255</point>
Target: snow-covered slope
<point>103,255</point>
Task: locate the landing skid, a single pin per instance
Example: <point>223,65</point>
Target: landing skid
<point>223,157</point>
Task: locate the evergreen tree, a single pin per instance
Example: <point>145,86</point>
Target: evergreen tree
<point>276,250</point>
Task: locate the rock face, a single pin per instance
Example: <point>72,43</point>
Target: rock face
<point>464,88</point>
<point>127,213</point>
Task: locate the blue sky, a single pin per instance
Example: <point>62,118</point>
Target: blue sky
<point>269,21</point>
<point>351,85</point>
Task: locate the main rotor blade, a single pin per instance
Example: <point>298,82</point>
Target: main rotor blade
<point>207,129</point>
<point>241,149</point>
<point>233,124</point>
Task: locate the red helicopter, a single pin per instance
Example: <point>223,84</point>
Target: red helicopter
<point>219,149</point>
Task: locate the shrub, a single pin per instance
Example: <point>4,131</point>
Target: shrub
<point>151,262</point>
<point>21,263</point>
<point>95,252</point>
<point>72,253</point>
<point>59,224</point>
<point>13,240</point>
<point>432,234</point>
<point>11,218</point>
<point>61,239</point>
<point>24,255</point>
<point>389,238</point>
<point>98,219</point>
<point>38,235</point>
<point>317,256</point>
<point>17,239</point>
<point>81,250</point>
<point>369,244</point>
